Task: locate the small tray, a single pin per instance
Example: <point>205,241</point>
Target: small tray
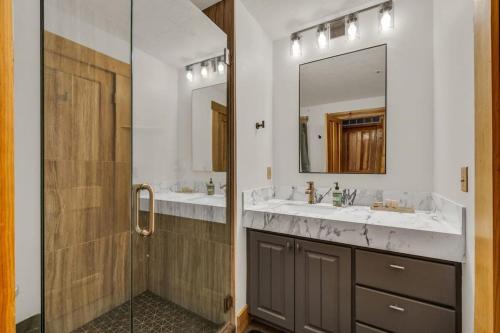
<point>391,209</point>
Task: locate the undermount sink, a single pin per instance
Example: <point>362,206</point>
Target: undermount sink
<point>212,200</point>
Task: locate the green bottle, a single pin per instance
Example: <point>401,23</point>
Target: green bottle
<point>211,187</point>
<point>337,196</point>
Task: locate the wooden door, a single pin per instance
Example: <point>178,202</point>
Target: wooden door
<point>363,149</point>
<point>219,137</point>
<point>271,285</point>
<point>87,160</point>
<point>7,284</point>
<point>322,288</point>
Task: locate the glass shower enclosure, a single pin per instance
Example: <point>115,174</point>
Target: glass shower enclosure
<point>135,234</point>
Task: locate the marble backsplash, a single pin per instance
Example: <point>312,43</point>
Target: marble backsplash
<point>420,201</point>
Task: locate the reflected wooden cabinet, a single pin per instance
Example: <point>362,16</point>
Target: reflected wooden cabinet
<point>299,285</point>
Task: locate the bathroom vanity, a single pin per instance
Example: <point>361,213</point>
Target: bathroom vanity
<point>319,268</point>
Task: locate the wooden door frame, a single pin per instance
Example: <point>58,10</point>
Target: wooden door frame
<point>222,13</point>
<point>7,275</point>
<point>487,167</point>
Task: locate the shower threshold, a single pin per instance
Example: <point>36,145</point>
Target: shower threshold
<point>152,314</point>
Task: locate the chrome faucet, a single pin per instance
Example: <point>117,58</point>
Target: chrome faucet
<point>311,192</point>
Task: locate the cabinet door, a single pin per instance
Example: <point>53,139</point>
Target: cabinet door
<point>271,292</point>
<point>322,288</point>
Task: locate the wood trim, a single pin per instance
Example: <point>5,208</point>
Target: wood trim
<point>7,279</point>
<point>355,114</point>
<point>62,46</point>
<point>243,320</point>
<point>487,167</point>
<point>222,13</point>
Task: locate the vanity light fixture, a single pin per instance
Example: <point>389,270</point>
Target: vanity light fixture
<point>386,17</point>
<point>295,45</point>
<point>352,27</point>
<point>221,67</point>
<point>189,73</point>
<point>204,69</point>
<point>351,22</point>
<point>323,36</point>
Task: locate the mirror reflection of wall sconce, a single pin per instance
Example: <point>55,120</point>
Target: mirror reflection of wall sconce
<point>260,125</point>
<point>326,31</point>
<point>215,65</point>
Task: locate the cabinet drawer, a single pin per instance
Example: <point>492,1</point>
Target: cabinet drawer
<point>411,277</point>
<point>360,328</point>
<point>402,315</point>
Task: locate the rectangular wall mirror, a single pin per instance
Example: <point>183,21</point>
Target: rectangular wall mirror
<point>342,113</point>
<point>209,128</point>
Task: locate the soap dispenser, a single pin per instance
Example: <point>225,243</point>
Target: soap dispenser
<point>337,196</point>
<point>211,187</point>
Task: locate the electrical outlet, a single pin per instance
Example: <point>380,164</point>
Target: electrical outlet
<point>464,179</point>
<point>269,173</point>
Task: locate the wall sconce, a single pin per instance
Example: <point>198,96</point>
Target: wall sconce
<point>386,17</point>
<point>221,66</point>
<point>352,27</point>
<point>323,36</point>
<point>189,73</point>
<point>351,22</point>
<point>295,45</point>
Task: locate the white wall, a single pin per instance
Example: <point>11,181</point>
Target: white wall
<point>316,125</point>
<point>253,103</point>
<point>454,121</point>
<point>27,156</point>
<point>409,100</point>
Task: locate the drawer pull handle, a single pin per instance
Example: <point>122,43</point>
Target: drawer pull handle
<point>400,268</point>
<point>396,308</point>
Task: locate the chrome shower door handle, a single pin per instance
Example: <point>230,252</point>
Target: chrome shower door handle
<point>151,223</point>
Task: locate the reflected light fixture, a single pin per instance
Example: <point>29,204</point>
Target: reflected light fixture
<point>189,73</point>
<point>204,70</point>
<point>352,27</point>
<point>295,47</point>
<point>323,36</point>
<point>386,17</point>
<point>221,67</point>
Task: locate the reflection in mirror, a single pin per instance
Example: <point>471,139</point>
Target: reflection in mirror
<point>342,121</point>
<point>209,130</point>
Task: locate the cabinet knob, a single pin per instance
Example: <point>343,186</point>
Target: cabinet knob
<point>288,245</point>
<point>298,246</point>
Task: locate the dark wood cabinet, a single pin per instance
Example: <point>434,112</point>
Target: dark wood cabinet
<point>271,285</point>
<point>322,288</point>
<point>312,286</point>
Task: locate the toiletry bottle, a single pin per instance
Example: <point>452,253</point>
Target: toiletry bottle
<point>211,187</point>
<point>337,196</point>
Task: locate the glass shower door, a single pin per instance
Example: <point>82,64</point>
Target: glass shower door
<point>181,244</point>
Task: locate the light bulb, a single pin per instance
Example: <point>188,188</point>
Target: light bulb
<point>204,70</point>
<point>352,27</point>
<point>189,74</point>
<point>322,36</point>
<point>386,17</point>
<point>296,48</point>
<point>220,67</point>
<point>385,21</point>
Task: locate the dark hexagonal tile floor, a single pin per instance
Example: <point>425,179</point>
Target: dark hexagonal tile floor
<point>152,314</point>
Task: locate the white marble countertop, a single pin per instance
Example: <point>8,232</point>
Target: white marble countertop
<point>420,220</point>
<point>436,231</point>
<point>200,206</point>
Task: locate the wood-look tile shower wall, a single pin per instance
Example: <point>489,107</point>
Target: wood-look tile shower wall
<point>86,183</point>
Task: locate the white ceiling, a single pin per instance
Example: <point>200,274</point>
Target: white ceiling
<point>343,78</point>
<point>279,18</point>
<point>203,4</point>
<point>175,31</point>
